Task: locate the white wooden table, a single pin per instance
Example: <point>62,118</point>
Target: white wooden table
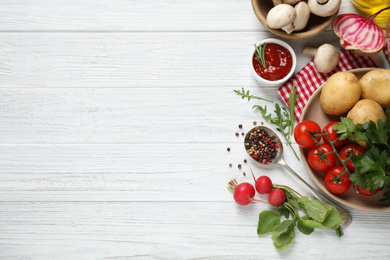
<point>115,119</point>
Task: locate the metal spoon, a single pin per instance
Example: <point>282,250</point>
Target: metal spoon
<point>278,159</point>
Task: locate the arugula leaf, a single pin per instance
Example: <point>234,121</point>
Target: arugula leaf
<point>292,99</point>
<point>246,94</point>
<point>284,120</point>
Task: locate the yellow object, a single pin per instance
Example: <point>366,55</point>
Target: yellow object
<point>369,7</point>
<point>376,86</point>
<point>340,93</point>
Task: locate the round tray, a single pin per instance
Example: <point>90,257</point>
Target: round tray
<point>314,112</point>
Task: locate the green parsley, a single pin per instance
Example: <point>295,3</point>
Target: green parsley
<point>373,167</point>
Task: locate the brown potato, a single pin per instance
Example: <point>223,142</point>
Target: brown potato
<point>376,86</point>
<point>340,93</point>
<point>366,110</point>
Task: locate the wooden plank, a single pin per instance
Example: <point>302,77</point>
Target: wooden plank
<point>100,15</point>
<point>137,60</point>
<point>122,115</point>
<point>126,60</point>
<point>170,231</point>
<point>129,172</point>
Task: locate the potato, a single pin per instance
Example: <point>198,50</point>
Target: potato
<point>365,110</point>
<point>375,85</point>
<point>340,93</point>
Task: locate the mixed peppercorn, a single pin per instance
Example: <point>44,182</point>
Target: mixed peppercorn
<point>261,146</point>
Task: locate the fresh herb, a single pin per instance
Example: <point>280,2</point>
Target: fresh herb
<point>246,94</point>
<point>373,167</point>
<point>318,215</point>
<point>260,54</point>
<point>284,119</point>
<point>292,99</point>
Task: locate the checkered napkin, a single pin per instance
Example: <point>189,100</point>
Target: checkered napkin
<point>308,80</point>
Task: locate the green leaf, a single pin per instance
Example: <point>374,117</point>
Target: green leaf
<point>304,228</point>
<point>267,221</point>
<point>283,210</point>
<point>283,234</point>
<point>308,221</point>
<point>371,169</point>
<point>315,209</point>
<point>333,220</point>
<point>339,232</point>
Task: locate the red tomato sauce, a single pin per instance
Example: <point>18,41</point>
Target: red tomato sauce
<point>278,60</point>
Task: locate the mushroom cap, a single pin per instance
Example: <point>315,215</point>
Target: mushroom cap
<point>324,8</point>
<point>281,16</point>
<point>326,58</point>
<point>303,15</point>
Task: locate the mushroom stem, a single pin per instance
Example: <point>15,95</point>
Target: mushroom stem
<point>326,57</point>
<point>310,51</point>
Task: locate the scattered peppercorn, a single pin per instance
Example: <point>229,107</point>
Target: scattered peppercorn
<point>244,173</point>
<point>240,126</point>
<point>239,166</point>
<point>237,134</point>
<point>261,146</point>
<point>245,161</point>
<point>254,123</point>
<point>242,133</point>
<point>228,149</point>
<point>230,165</point>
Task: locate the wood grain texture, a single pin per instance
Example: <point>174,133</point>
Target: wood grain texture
<point>115,119</point>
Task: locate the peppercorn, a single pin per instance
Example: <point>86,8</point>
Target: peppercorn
<point>228,149</point>
<point>261,146</point>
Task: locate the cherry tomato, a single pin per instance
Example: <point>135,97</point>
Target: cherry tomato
<point>322,157</point>
<point>366,192</point>
<point>303,137</point>
<point>347,151</point>
<point>332,135</point>
<point>337,180</point>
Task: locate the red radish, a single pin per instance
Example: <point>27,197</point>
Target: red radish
<point>276,197</point>
<point>359,34</point>
<point>387,40</point>
<point>243,193</point>
<point>263,184</point>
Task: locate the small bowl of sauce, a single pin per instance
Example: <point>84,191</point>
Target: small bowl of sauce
<point>279,59</point>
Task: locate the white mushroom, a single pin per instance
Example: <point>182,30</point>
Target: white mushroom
<point>326,57</point>
<point>303,15</point>
<point>291,2</point>
<point>282,17</point>
<point>324,8</point>
<point>277,2</point>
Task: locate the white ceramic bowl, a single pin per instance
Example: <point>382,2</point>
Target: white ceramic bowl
<point>276,82</point>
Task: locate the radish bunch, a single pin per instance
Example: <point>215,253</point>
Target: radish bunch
<point>244,192</point>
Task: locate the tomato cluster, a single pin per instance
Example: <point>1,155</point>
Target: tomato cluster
<point>323,158</point>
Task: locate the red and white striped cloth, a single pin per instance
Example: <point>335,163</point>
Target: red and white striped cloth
<point>308,80</point>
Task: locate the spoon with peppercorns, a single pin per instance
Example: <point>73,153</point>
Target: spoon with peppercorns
<point>264,146</point>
